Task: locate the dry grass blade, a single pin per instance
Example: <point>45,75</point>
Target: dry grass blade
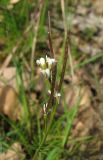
<point>9,57</point>
<point>64,16</point>
<point>35,29</point>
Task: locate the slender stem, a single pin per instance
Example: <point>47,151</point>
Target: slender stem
<point>49,37</point>
<point>52,86</point>
<point>47,131</point>
<point>54,67</point>
<point>64,65</point>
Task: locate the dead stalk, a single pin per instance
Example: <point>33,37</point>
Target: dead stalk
<point>64,17</point>
<point>64,65</point>
<point>71,63</point>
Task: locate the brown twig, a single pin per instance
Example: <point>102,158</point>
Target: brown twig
<point>64,64</point>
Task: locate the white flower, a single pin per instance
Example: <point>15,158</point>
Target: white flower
<point>44,108</point>
<point>45,65</point>
<point>50,61</point>
<point>49,91</point>
<point>56,94</point>
<point>45,72</point>
<point>41,62</point>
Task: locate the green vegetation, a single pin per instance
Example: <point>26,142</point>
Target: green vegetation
<point>23,32</point>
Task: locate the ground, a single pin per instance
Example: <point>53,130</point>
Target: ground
<point>24,39</point>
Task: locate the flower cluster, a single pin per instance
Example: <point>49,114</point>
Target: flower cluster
<point>45,65</point>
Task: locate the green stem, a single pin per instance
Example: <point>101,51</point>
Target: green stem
<point>46,134</point>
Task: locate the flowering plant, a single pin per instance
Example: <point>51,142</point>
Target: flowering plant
<point>48,67</point>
